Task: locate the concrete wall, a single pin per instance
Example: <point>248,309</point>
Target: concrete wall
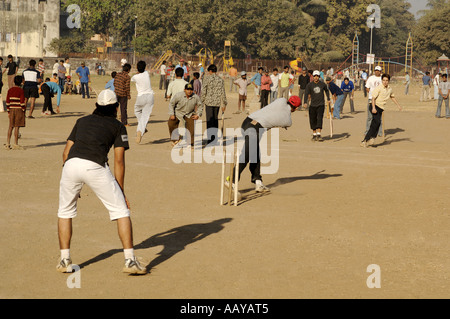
<point>38,25</point>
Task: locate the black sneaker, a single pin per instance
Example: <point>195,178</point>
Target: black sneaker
<point>314,138</point>
<point>319,138</point>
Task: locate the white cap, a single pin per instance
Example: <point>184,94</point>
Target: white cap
<point>199,64</point>
<point>106,97</point>
<point>243,73</point>
<point>316,73</point>
<point>378,68</point>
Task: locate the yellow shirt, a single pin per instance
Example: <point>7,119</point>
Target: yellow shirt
<point>285,79</point>
<point>382,94</point>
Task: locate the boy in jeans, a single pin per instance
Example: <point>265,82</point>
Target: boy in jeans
<point>15,105</point>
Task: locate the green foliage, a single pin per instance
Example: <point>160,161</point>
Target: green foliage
<point>75,43</point>
<point>323,30</point>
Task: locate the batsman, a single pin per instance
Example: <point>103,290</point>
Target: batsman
<point>276,114</point>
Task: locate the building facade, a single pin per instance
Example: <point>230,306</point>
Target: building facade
<point>28,26</point>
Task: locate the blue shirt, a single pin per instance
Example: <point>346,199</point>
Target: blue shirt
<point>256,78</point>
<point>334,89</point>
<point>110,85</point>
<point>83,73</point>
<point>347,87</point>
<point>54,88</point>
<point>184,69</point>
<point>426,80</point>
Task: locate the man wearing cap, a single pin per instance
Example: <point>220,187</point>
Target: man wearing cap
<point>85,161</point>
<point>184,107</point>
<point>303,80</point>
<point>144,101</point>
<point>85,77</point>
<point>372,82</point>
<point>276,114</point>
<point>213,97</point>
<point>242,83</point>
<point>315,91</point>
<point>256,80</point>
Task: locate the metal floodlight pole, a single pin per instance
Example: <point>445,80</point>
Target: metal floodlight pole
<point>17,31</point>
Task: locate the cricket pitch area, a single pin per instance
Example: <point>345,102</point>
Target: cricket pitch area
<point>334,209</point>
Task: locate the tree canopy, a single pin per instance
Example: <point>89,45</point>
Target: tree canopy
<point>323,30</point>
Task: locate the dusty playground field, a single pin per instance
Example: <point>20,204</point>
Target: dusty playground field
<point>334,209</point>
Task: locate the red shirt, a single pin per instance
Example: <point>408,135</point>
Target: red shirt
<point>15,99</point>
<point>266,81</point>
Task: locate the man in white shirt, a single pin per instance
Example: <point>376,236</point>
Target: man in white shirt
<point>372,82</point>
<point>436,82</point>
<point>177,85</point>
<point>444,89</point>
<point>145,100</point>
<point>162,76</point>
<point>275,77</point>
<point>67,66</point>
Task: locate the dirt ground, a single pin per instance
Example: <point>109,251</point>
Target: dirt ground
<point>334,209</point>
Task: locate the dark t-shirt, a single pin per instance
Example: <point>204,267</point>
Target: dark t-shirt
<point>316,90</point>
<point>303,81</point>
<point>93,137</point>
<point>334,89</point>
<point>11,66</point>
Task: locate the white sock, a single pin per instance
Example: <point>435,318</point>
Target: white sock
<point>65,253</point>
<point>314,134</point>
<point>318,133</point>
<point>258,182</point>
<point>129,253</point>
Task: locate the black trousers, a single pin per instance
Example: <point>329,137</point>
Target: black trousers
<point>212,122</point>
<point>251,152</point>
<point>47,98</point>
<point>375,124</point>
<point>316,117</point>
<point>123,105</point>
<point>265,97</point>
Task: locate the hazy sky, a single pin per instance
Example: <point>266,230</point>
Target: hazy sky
<point>417,5</point>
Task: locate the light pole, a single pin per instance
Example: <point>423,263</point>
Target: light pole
<point>17,32</point>
<point>135,36</point>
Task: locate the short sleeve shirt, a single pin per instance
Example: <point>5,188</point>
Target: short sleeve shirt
<point>93,137</point>
<point>11,66</point>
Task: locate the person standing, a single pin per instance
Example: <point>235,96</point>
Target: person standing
<point>68,67</point>
<point>315,92</point>
<point>202,71</point>
<point>303,80</point>
<point>266,82</point>
<point>372,82</point>
<point>349,91</point>
<point>122,89</point>
<point>50,88</point>
<point>364,77</point>
<point>283,83</point>
<point>213,97</point>
<point>162,75</point>
<point>256,80</point>
<point>85,161</point>
<point>233,77</point>
<point>32,79</point>
<point>61,74</point>
<point>185,107</point>
<point>41,68</point>
<point>169,73</point>
<point>242,83</point>
<point>197,84</point>
<point>436,81</point>
<point>444,87</point>
<point>110,84</point>
<point>380,95</point>
<point>85,77</point>
<point>12,68</point>
<point>15,105</point>
<point>338,98</point>
<point>144,101</point>
<point>275,77</point>
<point>407,82</point>
<point>426,85</point>
<point>184,67</point>
<point>276,114</point>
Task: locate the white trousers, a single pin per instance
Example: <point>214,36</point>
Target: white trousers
<point>143,109</point>
<point>75,174</point>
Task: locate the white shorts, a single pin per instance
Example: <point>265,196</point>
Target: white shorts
<point>75,174</point>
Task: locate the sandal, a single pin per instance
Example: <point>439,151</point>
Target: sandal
<point>7,147</point>
<point>17,147</point>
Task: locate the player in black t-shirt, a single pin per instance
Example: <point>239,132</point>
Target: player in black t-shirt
<point>86,162</point>
<point>315,92</point>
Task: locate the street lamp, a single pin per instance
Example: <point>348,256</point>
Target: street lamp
<point>135,35</point>
<point>17,32</point>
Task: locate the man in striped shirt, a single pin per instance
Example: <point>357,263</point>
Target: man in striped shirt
<point>122,89</point>
<point>15,105</point>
